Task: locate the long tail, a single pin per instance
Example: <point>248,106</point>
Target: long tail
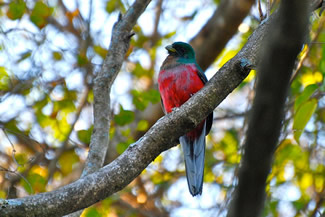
<point>194,151</point>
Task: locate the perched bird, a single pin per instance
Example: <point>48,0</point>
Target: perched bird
<point>179,78</point>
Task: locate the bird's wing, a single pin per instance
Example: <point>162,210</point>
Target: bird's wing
<point>210,116</point>
<point>163,106</point>
<point>201,74</point>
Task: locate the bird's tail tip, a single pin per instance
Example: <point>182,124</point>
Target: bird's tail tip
<point>195,190</point>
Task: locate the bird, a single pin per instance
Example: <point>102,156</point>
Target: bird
<point>180,77</point>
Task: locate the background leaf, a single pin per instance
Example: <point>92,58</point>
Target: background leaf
<point>302,116</point>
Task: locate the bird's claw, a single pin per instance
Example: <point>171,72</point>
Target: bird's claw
<point>245,63</point>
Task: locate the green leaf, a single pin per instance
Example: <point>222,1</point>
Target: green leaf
<point>91,212</point>
<point>82,59</point>
<point>229,146</point>
<point>124,117</point>
<point>302,116</point>
<point>3,195</point>
<point>152,95</point>
<point>4,79</point>
<point>16,9</point>
<point>67,161</point>
<point>21,158</point>
<point>121,147</point>
<point>36,181</point>
<point>65,105</point>
<point>138,100</point>
<point>90,97</point>
<point>322,62</point>
<point>24,56</point>
<point>139,71</point>
<point>112,5</point>
<point>142,99</point>
<point>39,14</point>
<point>57,55</point>
<point>11,126</point>
<point>299,204</point>
<point>85,135</point>
<point>102,52</point>
<point>305,95</point>
<point>142,125</point>
<point>169,35</point>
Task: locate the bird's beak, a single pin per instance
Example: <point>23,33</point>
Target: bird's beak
<point>170,48</point>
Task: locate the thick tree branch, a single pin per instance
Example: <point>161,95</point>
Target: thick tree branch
<point>162,136</point>
<point>102,84</point>
<point>281,48</point>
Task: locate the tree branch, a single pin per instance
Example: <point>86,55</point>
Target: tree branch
<point>281,48</point>
<point>102,84</point>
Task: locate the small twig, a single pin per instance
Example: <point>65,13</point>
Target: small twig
<point>231,116</point>
<point>319,202</point>
<point>262,16</point>
<point>13,153</point>
<point>18,174</point>
<point>268,8</point>
<point>155,34</point>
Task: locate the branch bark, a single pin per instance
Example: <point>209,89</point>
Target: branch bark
<point>281,48</point>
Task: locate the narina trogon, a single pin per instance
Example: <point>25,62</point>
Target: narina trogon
<point>179,78</point>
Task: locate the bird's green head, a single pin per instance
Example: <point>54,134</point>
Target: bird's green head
<point>182,50</point>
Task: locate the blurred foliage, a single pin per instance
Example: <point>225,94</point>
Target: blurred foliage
<point>50,52</point>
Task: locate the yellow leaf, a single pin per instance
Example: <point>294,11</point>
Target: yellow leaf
<point>158,159</point>
<point>319,183</point>
<point>311,78</point>
<point>67,161</point>
<point>39,170</point>
<point>219,179</point>
<point>306,181</point>
<point>209,177</point>
<point>227,56</point>
<point>250,76</point>
<point>3,195</point>
<point>281,176</point>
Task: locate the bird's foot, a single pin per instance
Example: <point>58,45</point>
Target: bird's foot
<point>246,63</point>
